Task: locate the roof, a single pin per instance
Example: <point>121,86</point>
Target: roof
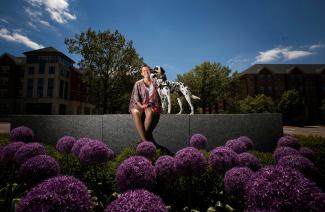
<point>17,60</point>
<point>48,50</point>
<point>284,68</point>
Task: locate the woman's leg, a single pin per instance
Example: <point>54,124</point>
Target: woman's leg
<point>136,115</point>
<point>150,122</point>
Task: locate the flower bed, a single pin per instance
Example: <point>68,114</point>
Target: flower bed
<point>84,174</point>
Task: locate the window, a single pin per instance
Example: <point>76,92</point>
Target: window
<point>66,90</point>
<point>31,70</point>
<point>41,68</point>
<point>87,110</point>
<point>62,73</point>
<point>50,87</point>
<point>61,88</point>
<point>262,89</point>
<point>30,87</point>
<point>52,70</point>
<point>270,89</point>
<point>4,69</point>
<point>67,74</point>
<point>40,84</point>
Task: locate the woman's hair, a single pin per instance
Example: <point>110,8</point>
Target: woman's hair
<point>145,65</point>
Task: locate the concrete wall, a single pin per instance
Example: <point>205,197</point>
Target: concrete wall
<point>172,131</point>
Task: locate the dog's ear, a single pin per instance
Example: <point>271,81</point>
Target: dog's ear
<point>162,70</point>
<point>163,77</point>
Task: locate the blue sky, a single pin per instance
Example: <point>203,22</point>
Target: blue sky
<point>176,34</point>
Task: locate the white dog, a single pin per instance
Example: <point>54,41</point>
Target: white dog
<point>167,87</point>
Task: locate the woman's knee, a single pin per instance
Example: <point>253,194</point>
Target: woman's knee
<point>149,112</point>
<point>135,111</point>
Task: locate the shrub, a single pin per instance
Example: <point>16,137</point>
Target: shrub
<point>249,160</point>
<point>38,168</point>
<point>266,158</point>
<point>135,172</point>
<point>235,180</point>
<point>222,159</point>
<point>307,152</point>
<point>165,168</point>
<point>278,188</point>
<point>65,144</point>
<point>289,141</point>
<point>95,152</point>
<point>8,152</point>
<point>300,163</point>
<point>198,141</point>
<point>189,161</point>
<point>237,145</point>
<point>28,151</point>
<point>284,151</point>
<point>78,144</point>
<point>22,133</point>
<point>249,143</point>
<point>62,193</point>
<point>137,200</point>
<point>146,149</point>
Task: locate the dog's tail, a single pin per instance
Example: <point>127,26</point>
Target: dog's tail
<point>195,97</point>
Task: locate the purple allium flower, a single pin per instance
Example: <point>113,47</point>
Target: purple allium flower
<point>308,153</point>
<point>278,188</point>
<point>22,133</point>
<point>249,143</point>
<point>165,168</point>
<point>8,152</point>
<point>235,180</point>
<point>65,144</point>
<point>136,172</point>
<point>39,168</point>
<point>237,145</point>
<point>284,151</point>
<point>28,151</point>
<point>300,163</point>
<point>198,141</point>
<point>249,160</point>
<point>61,193</point>
<point>289,141</point>
<point>222,158</point>
<point>146,149</point>
<point>137,200</point>
<point>95,152</point>
<point>78,144</point>
<point>190,161</point>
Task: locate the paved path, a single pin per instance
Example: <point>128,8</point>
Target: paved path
<point>307,130</point>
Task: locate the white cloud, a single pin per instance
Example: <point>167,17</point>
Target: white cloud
<point>45,23</point>
<point>235,61</point>
<point>33,13</point>
<point>291,55</point>
<point>19,38</point>
<point>32,25</point>
<point>58,9</point>
<point>316,46</point>
<point>4,20</point>
<point>278,53</point>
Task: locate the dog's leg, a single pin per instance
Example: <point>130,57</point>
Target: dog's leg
<point>169,101</point>
<point>180,105</point>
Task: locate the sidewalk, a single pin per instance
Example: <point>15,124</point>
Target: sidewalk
<point>306,130</point>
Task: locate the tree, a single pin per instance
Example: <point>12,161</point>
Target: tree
<point>292,107</point>
<point>211,82</point>
<point>258,104</point>
<point>111,66</point>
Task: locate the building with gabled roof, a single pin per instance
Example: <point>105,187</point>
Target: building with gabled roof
<point>49,84</point>
<point>274,79</point>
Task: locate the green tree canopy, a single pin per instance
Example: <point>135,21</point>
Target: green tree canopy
<point>292,107</point>
<point>258,104</point>
<point>111,66</point>
<point>212,82</point>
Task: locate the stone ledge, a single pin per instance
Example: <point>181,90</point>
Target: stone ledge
<point>172,132</point>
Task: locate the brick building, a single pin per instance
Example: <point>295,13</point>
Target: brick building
<point>273,79</point>
<point>43,82</point>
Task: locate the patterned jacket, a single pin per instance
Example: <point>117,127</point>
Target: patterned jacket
<point>140,94</point>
